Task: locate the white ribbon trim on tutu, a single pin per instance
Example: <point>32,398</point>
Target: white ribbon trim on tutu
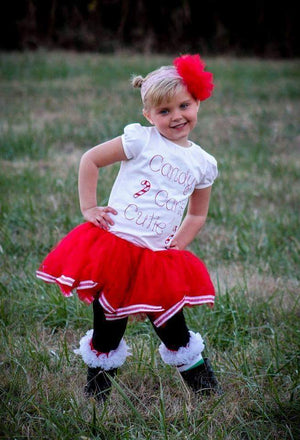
<point>66,281</point>
<point>186,301</point>
<point>184,355</point>
<point>126,311</point>
<point>107,361</point>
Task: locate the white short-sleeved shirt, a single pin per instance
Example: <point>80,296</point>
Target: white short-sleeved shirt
<point>152,188</point>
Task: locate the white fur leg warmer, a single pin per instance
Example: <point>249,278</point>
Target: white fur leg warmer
<point>107,361</point>
<point>185,355</point>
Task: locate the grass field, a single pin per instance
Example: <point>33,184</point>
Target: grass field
<point>53,107</point>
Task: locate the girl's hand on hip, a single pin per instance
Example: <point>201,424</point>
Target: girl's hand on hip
<point>100,216</point>
<point>174,245</point>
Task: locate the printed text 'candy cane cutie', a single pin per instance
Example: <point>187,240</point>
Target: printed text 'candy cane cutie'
<point>158,165</point>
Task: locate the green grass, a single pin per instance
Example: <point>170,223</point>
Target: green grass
<point>53,107</point>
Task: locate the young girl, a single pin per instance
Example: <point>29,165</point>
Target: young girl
<point>129,257</point>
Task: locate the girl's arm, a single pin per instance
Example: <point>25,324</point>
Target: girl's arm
<point>194,219</point>
<point>95,158</point>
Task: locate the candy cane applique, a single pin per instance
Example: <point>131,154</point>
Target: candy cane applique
<point>146,186</point>
<point>169,239</point>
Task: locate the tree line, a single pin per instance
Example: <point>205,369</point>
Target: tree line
<point>262,28</point>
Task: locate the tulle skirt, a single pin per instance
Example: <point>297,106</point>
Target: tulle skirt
<point>127,279</point>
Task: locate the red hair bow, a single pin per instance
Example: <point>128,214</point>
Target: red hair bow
<point>191,70</point>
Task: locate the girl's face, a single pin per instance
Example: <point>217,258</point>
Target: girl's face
<point>175,119</point>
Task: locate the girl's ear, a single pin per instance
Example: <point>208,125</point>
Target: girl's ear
<point>147,116</point>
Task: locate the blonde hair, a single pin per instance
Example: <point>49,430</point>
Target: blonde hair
<point>160,85</point>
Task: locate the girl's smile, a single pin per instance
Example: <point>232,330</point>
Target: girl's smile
<point>175,119</point>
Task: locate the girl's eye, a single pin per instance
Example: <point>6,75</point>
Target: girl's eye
<point>184,105</point>
<point>164,111</point>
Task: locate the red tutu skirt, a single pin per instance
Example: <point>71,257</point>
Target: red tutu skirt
<point>126,278</point>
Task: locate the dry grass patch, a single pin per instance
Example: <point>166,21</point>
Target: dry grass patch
<point>257,285</point>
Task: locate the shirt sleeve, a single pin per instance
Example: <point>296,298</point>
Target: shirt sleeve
<point>210,174</point>
<point>133,139</point>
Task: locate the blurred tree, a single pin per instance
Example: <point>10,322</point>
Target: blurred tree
<point>214,26</point>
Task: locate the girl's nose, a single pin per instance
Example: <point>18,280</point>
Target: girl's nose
<point>176,115</point>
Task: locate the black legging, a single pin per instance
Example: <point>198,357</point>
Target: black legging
<point>108,334</point>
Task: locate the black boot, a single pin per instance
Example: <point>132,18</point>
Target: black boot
<point>98,383</point>
<point>202,379</point>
